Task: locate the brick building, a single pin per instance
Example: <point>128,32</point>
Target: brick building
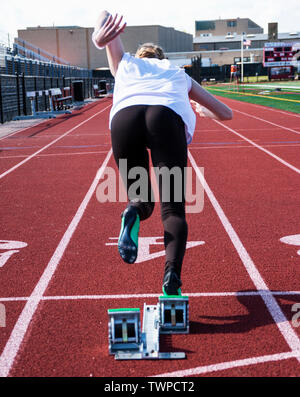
<point>74,44</point>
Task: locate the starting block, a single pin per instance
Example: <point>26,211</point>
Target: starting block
<point>128,342</point>
<point>124,330</point>
<point>174,314</point>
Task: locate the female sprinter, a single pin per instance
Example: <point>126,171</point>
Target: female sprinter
<point>152,110</point>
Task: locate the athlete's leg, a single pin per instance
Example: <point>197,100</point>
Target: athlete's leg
<point>167,141</point>
<point>128,143</point>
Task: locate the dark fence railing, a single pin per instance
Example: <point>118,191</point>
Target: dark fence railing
<point>222,73</point>
<point>31,67</point>
<point>13,89</point>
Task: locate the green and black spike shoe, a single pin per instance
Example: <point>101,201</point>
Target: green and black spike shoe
<point>171,283</point>
<point>128,238</point>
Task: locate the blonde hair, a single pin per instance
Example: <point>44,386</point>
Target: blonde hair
<point>150,50</point>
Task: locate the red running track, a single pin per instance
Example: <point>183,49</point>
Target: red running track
<point>61,271</point>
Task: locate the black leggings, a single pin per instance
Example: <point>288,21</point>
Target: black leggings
<point>134,130</point>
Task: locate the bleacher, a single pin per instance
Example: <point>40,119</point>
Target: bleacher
<point>24,49</point>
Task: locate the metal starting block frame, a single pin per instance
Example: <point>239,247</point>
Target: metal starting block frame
<point>128,342</point>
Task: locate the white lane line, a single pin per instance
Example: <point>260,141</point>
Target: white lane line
<point>231,147</point>
<point>139,296</point>
<point>35,137</point>
<point>283,86</point>
<point>230,364</point>
<point>262,107</point>
<point>237,129</point>
<point>294,145</point>
<point>274,309</point>
<point>50,144</point>
<point>266,121</point>
<point>268,108</point>
<point>16,337</point>
<point>55,154</point>
<point>260,147</point>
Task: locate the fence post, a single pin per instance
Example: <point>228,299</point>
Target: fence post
<point>35,89</point>
<point>45,96</point>
<point>18,94</point>
<point>24,94</point>
<point>1,104</point>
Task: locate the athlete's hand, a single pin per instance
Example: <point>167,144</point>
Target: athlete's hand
<point>107,29</point>
<point>202,110</point>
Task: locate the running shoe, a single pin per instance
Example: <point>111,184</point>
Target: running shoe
<point>171,283</point>
<point>128,238</point>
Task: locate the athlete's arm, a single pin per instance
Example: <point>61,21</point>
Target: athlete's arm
<point>107,34</point>
<point>207,105</point>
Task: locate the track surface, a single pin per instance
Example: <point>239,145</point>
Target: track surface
<point>60,270</point>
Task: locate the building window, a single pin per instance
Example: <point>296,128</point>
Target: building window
<point>238,59</point>
<point>205,25</point>
<point>231,24</point>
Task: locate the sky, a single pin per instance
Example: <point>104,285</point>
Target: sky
<point>19,14</point>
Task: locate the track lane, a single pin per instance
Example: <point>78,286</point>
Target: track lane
<point>70,338</point>
<point>258,124</point>
<point>35,211</point>
<point>214,321</point>
<point>61,127</point>
<point>253,197</point>
<point>100,270</point>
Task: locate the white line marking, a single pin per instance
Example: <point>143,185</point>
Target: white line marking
<point>231,364</point>
<point>233,147</point>
<point>260,148</point>
<point>51,143</point>
<point>280,319</point>
<point>149,295</point>
<point>266,121</point>
<point>55,154</point>
<point>35,137</point>
<point>237,129</point>
<point>16,337</point>
<point>262,107</point>
<point>283,86</point>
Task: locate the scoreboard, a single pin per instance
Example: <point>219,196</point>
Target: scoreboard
<point>280,54</point>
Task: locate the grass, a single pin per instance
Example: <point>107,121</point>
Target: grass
<point>269,94</point>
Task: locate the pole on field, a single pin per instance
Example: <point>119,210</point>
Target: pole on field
<point>242,57</point>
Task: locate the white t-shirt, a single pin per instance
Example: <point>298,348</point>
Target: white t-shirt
<point>151,81</point>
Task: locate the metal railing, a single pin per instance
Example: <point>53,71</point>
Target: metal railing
<point>38,53</point>
<point>13,89</point>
